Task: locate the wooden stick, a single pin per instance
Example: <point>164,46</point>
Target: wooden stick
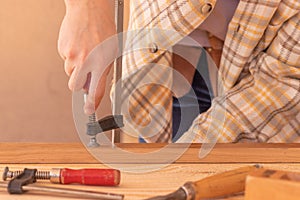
<point>118,68</point>
<point>76,153</point>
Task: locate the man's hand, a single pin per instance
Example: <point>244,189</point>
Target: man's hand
<point>88,23</point>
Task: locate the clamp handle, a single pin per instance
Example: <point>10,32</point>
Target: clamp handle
<point>102,177</point>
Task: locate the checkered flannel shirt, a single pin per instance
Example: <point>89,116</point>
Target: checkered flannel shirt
<point>259,70</point>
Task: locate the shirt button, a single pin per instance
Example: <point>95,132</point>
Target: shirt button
<point>209,49</point>
<point>153,48</point>
<point>206,8</point>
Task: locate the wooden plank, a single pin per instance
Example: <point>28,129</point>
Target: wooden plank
<point>77,153</point>
<point>268,184</point>
<point>137,186</point>
<point>44,153</point>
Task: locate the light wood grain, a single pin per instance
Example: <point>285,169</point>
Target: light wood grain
<point>224,157</point>
<point>77,153</point>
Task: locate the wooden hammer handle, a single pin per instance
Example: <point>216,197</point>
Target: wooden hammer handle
<point>220,185</point>
<point>223,184</point>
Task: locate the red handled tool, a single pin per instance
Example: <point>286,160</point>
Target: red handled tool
<point>100,177</point>
<point>22,183</point>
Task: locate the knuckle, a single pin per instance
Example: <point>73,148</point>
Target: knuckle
<point>70,54</point>
<point>83,55</point>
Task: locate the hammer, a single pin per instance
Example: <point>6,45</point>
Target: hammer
<point>21,183</point>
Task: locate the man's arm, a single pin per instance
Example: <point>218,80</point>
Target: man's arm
<point>86,24</point>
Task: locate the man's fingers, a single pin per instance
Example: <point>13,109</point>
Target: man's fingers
<point>100,90</point>
<point>87,83</point>
<point>69,66</point>
<point>89,107</point>
<point>96,90</point>
<point>78,79</point>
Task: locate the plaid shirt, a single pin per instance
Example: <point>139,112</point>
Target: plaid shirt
<point>260,71</point>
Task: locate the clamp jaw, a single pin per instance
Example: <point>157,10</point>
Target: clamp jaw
<point>105,124</point>
<point>26,177</point>
<point>108,123</point>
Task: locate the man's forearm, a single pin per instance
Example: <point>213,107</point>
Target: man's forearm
<point>87,24</point>
<point>103,5</point>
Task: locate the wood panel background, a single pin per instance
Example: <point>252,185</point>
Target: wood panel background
<point>35,103</point>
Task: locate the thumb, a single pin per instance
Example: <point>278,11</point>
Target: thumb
<point>78,79</point>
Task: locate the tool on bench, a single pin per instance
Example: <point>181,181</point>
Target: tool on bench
<point>115,121</point>
<point>19,185</point>
<point>216,186</point>
<point>101,177</point>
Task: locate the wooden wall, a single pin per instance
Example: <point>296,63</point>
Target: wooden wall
<point>35,103</point>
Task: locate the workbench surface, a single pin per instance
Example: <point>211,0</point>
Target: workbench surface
<point>143,185</point>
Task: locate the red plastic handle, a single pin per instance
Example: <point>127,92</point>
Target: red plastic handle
<point>104,177</point>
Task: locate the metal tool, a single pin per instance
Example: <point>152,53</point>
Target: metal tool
<point>216,186</point>
<point>92,120</point>
<point>95,127</point>
<point>115,121</point>
<point>100,177</point>
<point>76,193</point>
<point>19,185</point>
<point>116,109</point>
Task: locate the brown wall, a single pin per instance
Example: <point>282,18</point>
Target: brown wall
<point>35,104</point>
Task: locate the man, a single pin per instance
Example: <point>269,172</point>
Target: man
<point>259,66</point>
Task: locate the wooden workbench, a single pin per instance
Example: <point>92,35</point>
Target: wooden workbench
<point>139,186</point>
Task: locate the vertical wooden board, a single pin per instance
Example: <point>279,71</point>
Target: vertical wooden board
<point>268,189</point>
